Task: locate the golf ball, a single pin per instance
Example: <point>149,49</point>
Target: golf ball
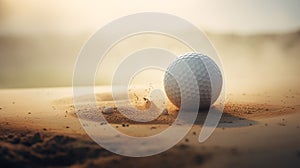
<point>204,70</point>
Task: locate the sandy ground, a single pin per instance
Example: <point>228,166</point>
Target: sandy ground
<point>39,128</point>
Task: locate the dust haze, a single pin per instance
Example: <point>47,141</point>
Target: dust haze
<point>250,62</point>
<point>40,41</point>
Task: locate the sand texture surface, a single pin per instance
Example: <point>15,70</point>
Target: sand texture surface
<point>39,128</point>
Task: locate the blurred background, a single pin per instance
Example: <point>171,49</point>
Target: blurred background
<point>257,40</point>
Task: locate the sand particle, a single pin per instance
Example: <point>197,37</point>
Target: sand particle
<point>108,110</point>
<point>165,112</point>
<point>153,128</point>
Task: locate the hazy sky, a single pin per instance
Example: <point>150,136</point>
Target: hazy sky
<point>73,16</point>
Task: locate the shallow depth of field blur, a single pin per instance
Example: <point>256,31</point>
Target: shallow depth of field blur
<point>258,41</point>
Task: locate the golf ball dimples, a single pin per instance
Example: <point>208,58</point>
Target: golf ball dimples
<point>205,71</point>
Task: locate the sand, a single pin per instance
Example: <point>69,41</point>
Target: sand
<point>39,128</point>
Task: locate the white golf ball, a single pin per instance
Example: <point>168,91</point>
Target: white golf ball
<point>205,71</point>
